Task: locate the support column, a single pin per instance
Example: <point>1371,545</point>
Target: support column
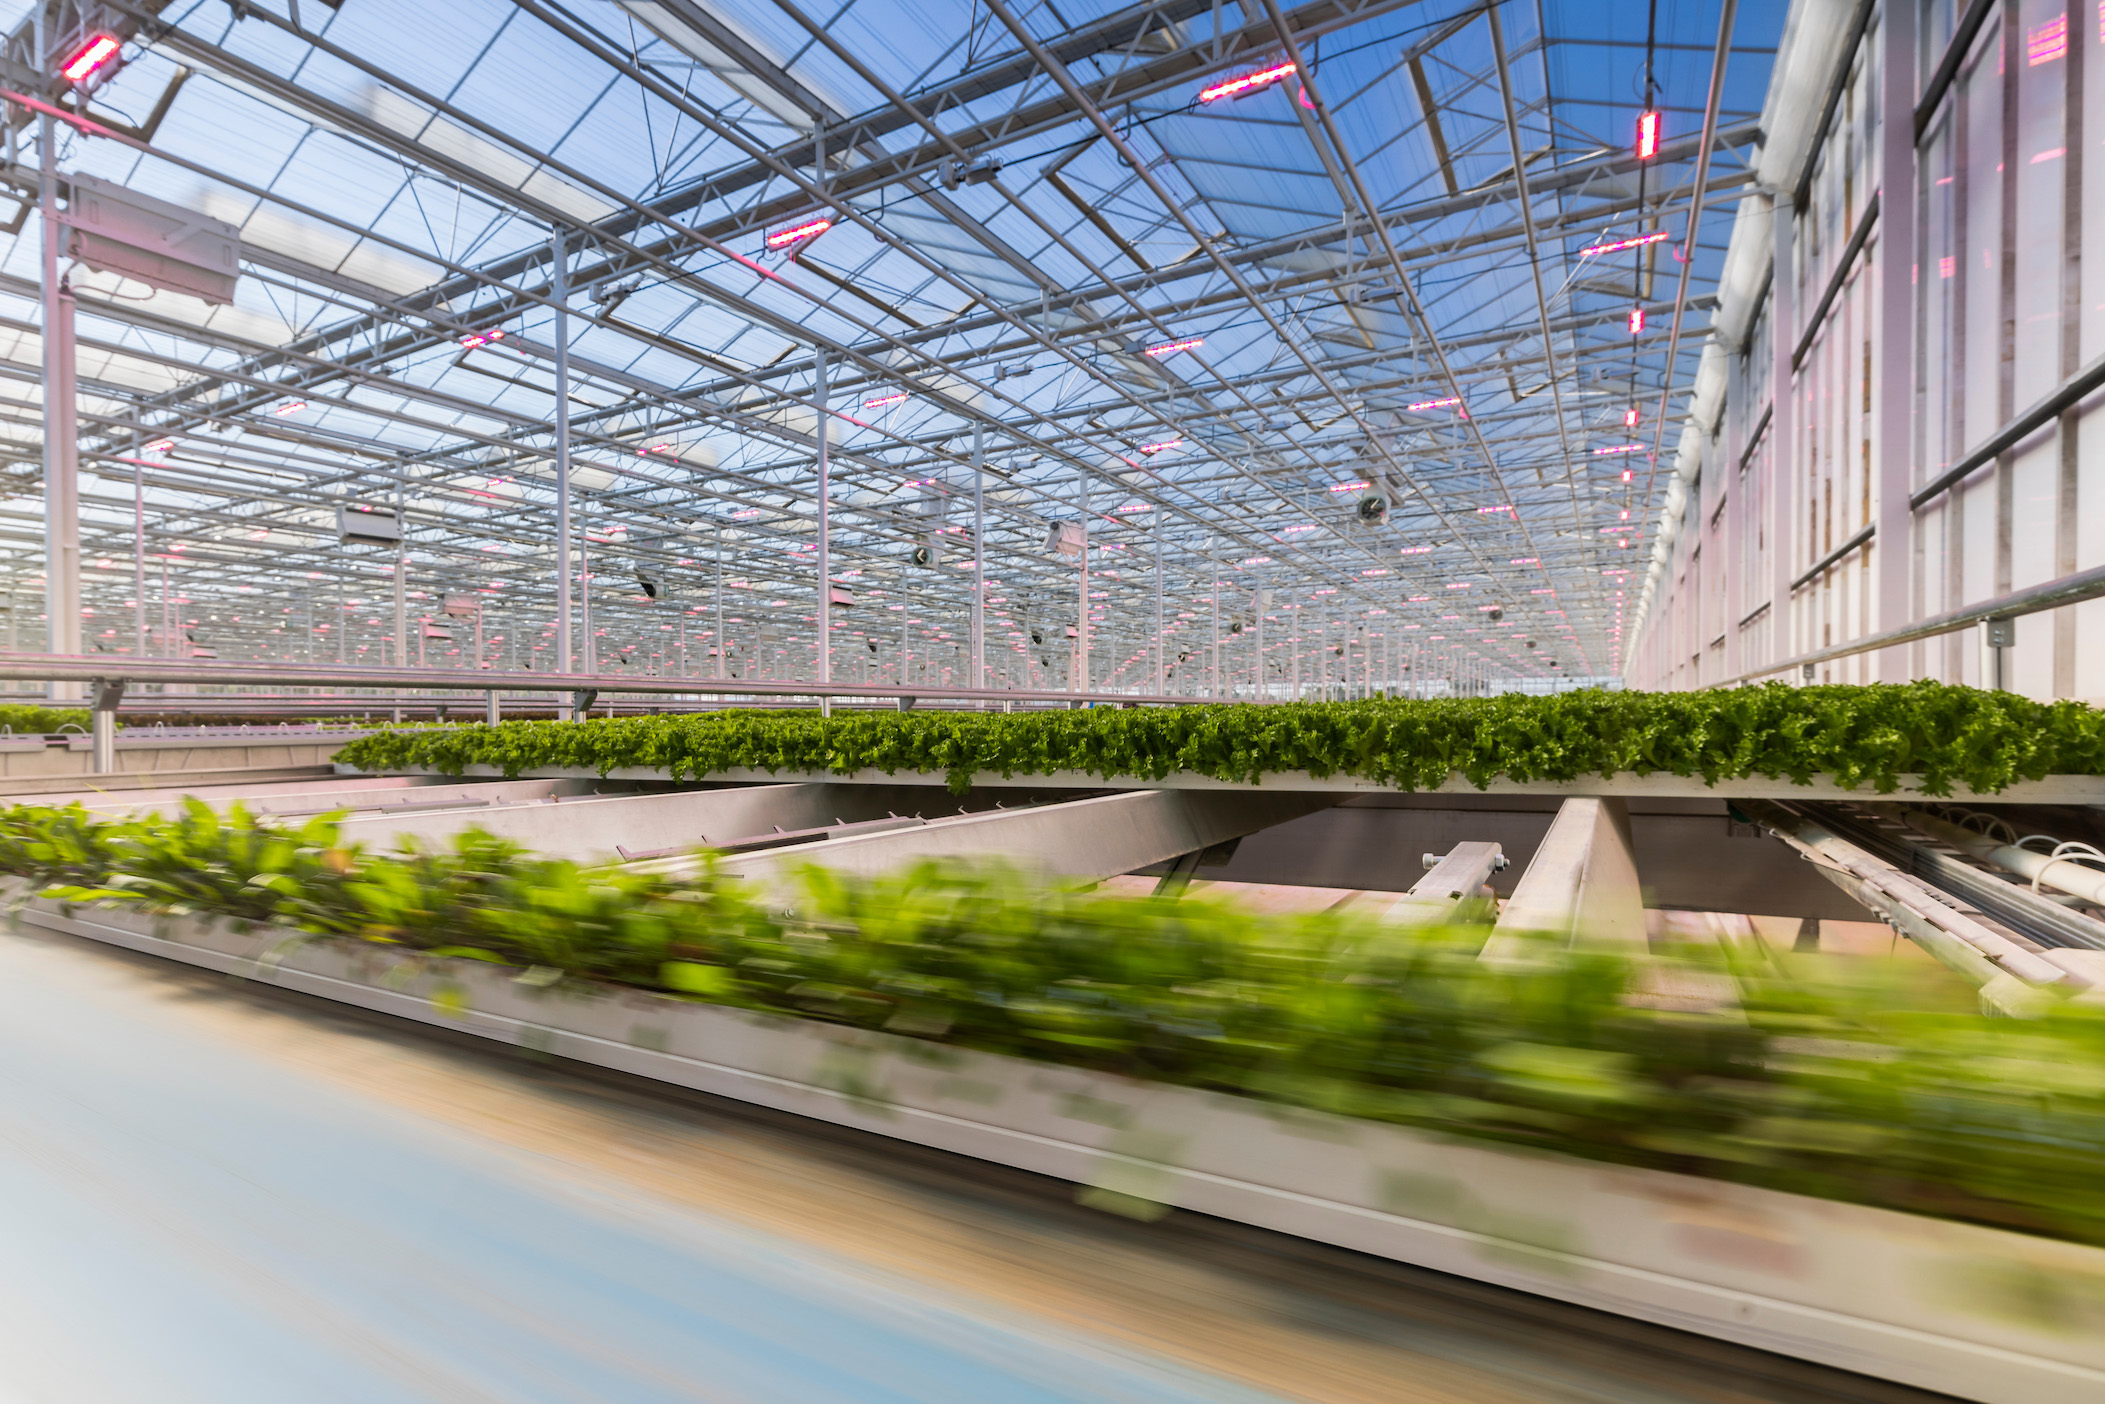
<point>1896,341</point>
<point>825,614</point>
<point>559,290</point>
<point>723,646</point>
<point>589,652</point>
<point>61,427</point>
<point>1263,597</point>
<point>138,551</point>
<point>979,555</point>
<point>1213,657</point>
<point>401,582</point>
<point>1161,668</point>
<point>1783,429</point>
<point>1080,681</point>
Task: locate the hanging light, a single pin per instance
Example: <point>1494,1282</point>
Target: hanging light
<point>1648,125</point>
<point>799,233</point>
<point>92,55</point>
<point>1637,321</point>
<point>1618,245</point>
<point>1171,348</point>
<point>1244,84</point>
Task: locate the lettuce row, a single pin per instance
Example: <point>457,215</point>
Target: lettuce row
<point>1873,1082</point>
<point>1865,737</point>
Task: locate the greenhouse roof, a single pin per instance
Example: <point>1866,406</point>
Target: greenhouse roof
<point>1209,277</point>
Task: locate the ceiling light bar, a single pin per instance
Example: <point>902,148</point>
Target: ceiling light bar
<point>1637,321</point>
<point>882,400</point>
<point>289,407</point>
<point>1161,447</point>
<point>1414,550</point>
<point>1618,245</point>
<point>798,233</point>
<point>482,338</point>
<point>1244,84</point>
<point>1171,348</point>
<point>1347,487</point>
<point>1433,404</point>
<point>1618,448</point>
<point>90,56</point>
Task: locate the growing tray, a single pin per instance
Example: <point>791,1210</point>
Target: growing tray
<point>1975,1312</point>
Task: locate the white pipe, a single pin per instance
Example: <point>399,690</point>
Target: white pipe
<point>2040,869</point>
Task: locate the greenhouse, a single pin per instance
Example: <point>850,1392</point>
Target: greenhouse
<point>1321,700</point>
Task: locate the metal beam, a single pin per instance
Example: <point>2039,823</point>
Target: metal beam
<point>1580,890</point>
<point>1084,840</point>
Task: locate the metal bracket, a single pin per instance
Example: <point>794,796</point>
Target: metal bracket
<point>106,694</point>
<point>906,703</point>
<point>581,702</point>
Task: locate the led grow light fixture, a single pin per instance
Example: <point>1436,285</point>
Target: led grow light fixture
<point>90,57</point>
<point>482,338</point>
<point>1433,404</point>
<point>1648,125</point>
<point>1618,245</point>
<point>798,233</point>
<point>882,400</point>
<point>1244,84</point>
<point>1171,348</point>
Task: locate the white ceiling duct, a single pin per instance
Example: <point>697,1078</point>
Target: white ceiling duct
<point>1798,84</point>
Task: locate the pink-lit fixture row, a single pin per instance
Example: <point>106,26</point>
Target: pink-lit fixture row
<point>1618,245</point>
<point>1244,84</point>
<point>798,233</point>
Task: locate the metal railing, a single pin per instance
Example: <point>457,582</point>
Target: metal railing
<point>2052,594</point>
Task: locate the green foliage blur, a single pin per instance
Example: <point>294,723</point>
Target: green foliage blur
<point>1866,736</point>
<point>26,719</point>
<point>1825,1076</point>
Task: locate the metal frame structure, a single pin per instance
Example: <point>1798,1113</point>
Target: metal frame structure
<point>508,268</point>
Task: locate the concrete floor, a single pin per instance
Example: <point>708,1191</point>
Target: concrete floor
<point>214,1192</point>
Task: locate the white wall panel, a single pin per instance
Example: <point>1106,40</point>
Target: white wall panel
<point>2009,276</point>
